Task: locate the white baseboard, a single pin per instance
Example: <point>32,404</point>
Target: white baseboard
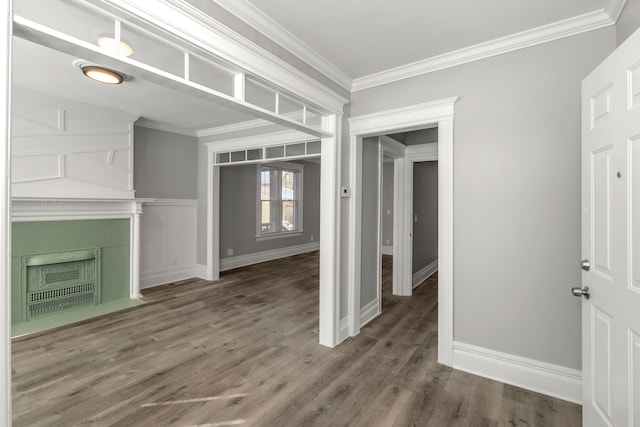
<point>369,312</point>
<point>343,332</point>
<point>249,259</point>
<point>553,380</point>
<point>387,250</point>
<point>423,273</point>
<point>200,271</point>
<point>149,280</point>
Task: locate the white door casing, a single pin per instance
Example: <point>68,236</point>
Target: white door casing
<point>403,119</point>
<point>611,239</point>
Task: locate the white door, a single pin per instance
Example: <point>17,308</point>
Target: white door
<point>611,239</point>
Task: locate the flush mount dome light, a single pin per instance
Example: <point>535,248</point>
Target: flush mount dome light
<point>102,75</point>
<point>110,44</point>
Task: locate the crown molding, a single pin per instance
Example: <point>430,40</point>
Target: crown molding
<point>152,124</point>
<point>546,33</point>
<point>257,19</point>
<point>614,8</point>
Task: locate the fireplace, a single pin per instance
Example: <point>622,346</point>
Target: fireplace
<point>72,259</point>
<point>60,281</point>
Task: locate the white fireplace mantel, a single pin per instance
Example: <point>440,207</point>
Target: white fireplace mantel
<point>68,209</point>
<point>56,209</point>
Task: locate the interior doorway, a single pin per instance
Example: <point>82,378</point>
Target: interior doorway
<point>440,114</point>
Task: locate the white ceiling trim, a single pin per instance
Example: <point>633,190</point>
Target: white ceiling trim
<point>234,127</point>
<point>614,8</point>
<point>546,33</point>
<point>257,19</point>
<point>152,124</point>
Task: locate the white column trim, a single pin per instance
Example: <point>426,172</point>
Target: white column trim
<point>212,257</point>
<point>414,117</point>
<point>330,170</point>
<point>355,227</point>
<point>5,211</point>
<point>134,265</point>
<point>399,165</point>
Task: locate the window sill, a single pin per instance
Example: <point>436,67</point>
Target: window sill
<point>279,235</point>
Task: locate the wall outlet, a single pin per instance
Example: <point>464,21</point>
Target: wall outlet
<point>387,242</point>
<point>388,211</point>
<point>229,252</point>
<point>174,261</point>
<point>312,238</point>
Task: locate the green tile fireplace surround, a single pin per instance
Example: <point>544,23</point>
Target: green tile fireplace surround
<point>110,236</point>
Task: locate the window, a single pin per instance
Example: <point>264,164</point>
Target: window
<point>279,199</point>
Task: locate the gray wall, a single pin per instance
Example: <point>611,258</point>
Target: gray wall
<point>238,211</point>
<point>387,203</point>
<point>369,221</point>
<point>629,20</point>
<point>425,206</point>
<point>516,191</point>
<point>165,164</point>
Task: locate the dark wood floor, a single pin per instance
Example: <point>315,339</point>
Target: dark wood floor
<point>243,351</point>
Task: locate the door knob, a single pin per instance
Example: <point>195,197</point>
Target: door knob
<point>585,264</point>
<point>581,292</point>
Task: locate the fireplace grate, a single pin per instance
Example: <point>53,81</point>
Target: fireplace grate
<point>60,281</point>
<point>50,301</point>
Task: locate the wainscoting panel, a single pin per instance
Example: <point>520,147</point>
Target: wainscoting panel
<point>168,241</point>
<point>63,148</point>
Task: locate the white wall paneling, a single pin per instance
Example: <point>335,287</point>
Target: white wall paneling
<point>63,148</point>
<point>168,241</point>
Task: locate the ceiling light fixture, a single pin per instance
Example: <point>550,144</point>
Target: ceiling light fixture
<point>110,44</point>
<point>102,75</point>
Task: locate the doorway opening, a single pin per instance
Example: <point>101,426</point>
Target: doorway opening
<point>429,115</point>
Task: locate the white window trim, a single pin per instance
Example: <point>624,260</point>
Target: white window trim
<point>281,234</point>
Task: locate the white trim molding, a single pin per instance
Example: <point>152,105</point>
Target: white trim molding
<point>44,209</point>
<point>249,259</point>
<point>552,380</point>
<point>152,124</point>
<point>546,33</point>
<point>150,280</point>
<point>412,117</point>
<point>370,312</point>
<point>257,19</point>
<point>614,8</point>
<point>424,273</point>
<point>387,250</point>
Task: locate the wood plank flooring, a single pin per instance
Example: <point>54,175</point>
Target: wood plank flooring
<point>243,352</point>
